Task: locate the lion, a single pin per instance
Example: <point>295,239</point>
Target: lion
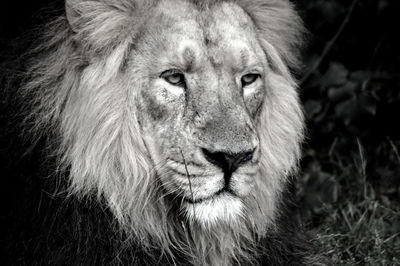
<point>159,132</point>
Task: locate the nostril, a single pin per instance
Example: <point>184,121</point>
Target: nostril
<point>228,162</point>
<point>245,157</point>
<point>217,158</point>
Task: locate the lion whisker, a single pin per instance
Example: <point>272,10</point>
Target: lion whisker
<point>190,183</point>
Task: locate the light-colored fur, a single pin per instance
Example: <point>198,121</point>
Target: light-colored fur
<point>86,100</point>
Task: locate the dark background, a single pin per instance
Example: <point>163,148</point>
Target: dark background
<point>350,88</point>
<point>349,187</point>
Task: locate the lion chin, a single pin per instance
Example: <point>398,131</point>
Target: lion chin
<point>160,133</point>
<point>221,208</point>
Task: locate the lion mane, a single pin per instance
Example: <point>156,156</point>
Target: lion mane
<point>92,193</point>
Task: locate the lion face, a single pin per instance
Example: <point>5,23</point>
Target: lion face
<point>200,104</point>
<point>178,114</point>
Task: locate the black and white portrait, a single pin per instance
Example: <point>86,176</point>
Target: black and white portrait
<point>199,132</point>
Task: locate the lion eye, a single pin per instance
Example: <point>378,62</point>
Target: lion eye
<point>174,78</point>
<point>249,78</point>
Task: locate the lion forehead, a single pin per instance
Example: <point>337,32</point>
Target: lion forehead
<point>231,21</point>
<point>221,35</point>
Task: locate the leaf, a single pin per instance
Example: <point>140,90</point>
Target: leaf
<point>360,76</point>
<point>367,104</point>
<point>321,189</point>
<point>335,76</point>
<point>346,109</point>
<point>312,108</point>
<point>342,93</point>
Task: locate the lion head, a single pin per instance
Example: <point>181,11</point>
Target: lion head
<point>181,115</point>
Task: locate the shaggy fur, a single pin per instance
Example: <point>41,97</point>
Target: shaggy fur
<point>94,194</point>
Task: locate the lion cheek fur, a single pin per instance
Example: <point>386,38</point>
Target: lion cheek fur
<point>116,209</point>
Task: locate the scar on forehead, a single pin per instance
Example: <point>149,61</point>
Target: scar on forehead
<point>189,55</point>
<point>189,58</point>
<point>207,40</point>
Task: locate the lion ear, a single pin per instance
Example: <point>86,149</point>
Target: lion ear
<point>72,12</point>
<point>279,24</point>
<point>100,24</point>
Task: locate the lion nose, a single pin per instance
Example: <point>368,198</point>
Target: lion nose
<point>228,162</point>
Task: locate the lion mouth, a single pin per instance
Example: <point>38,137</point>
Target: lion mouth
<point>223,191</point>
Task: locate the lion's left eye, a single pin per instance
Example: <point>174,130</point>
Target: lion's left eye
<point>249,79</point>
<point>174,78</point>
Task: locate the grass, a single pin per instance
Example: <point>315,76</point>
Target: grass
<point>355,219</point>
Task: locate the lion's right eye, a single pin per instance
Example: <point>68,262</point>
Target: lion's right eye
<point>174,78</point>
<point>249,79</point>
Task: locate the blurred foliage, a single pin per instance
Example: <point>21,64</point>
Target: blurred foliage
<point>350,185</point>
